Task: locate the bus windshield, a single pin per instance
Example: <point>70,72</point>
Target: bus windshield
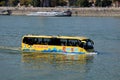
<point>88,44</point>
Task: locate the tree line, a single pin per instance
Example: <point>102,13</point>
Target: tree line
<point>54,3</point>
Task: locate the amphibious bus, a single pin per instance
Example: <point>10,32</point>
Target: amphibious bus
<point>57,44</point>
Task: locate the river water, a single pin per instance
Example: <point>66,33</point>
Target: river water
<point>104,31</point>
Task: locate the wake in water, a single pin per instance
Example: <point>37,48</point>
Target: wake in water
<point>93,53</point>
<point>9,48</point>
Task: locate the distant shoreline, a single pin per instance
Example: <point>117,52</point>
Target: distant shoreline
<point>93,11</point>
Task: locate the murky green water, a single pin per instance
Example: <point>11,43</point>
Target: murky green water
<point>104,31</point>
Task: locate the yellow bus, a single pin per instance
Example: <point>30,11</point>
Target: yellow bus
<point>57,44</point>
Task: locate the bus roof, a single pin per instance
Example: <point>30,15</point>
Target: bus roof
<point>62,37</point>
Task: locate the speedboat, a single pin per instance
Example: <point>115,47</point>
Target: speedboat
<point>5,12</point>
<point>51,13</point>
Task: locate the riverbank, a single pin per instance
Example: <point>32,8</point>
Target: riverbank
<point>76,11</point>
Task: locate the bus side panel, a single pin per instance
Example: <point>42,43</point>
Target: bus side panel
<point>49,48</point>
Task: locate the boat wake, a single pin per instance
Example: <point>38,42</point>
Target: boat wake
<point>93,53</point>
<point>9,48</point>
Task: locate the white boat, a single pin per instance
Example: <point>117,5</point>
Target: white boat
<point>51,13</point>
<point>5,12</point>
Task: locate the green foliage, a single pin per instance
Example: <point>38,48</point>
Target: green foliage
<point>103,3</point>
<point>98,3</point>
<point>106,3</point>
<point>8,2</point>
<point>53,3</point>
<point>116,0</point>
<point>36,3</point>
<point>61,2</point>
<point>77,3</point>
<point>13,2</point>
<point>2,3</point>
<point>84,3</point>
<point>25,2</point>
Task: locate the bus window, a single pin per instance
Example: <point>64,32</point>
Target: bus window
<point>63,42</point>
<point>28,40</point>
<point>46,41</point>
<point>25,40</point>
<point>73,42</point>
<point>54,41</point>
<point>35,40</point>
<point>39,41</point>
